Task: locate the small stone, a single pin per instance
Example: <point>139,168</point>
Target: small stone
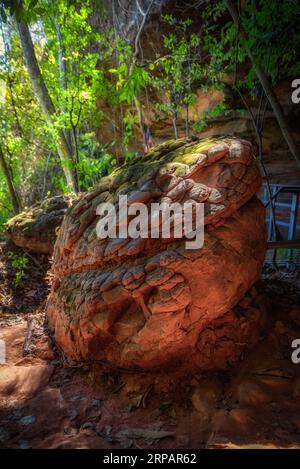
<point>70,431</point>
<point>27,420</point>
<point>16,415</point>
<point>93,412</point>
<point>4,435</point>
<point>87,425</point>
<point>43,349</point>
<point>75,398</point>
<point>88,428</point>
<point>24,444</point>
<point>96,402</point>
<point>252,394</point>
<point>73,414</point>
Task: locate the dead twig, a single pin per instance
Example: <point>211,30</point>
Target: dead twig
<point>145,396</point>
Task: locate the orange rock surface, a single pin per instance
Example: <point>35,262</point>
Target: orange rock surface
<point>151,303</point>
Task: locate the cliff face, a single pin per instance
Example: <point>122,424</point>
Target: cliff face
<point>126,16</point>
<point>238,122</point>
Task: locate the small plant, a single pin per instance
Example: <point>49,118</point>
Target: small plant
<point>210,114</point>
<point>179,71</point>
<point>19,264</point>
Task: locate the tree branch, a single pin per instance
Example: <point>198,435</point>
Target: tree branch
<point>272,98</point>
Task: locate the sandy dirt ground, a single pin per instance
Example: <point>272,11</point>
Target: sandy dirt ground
<point>48,402</point>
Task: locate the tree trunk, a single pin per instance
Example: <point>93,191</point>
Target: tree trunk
<point>46,102</point>
<point>272,98</point>
<point>140,118</point>
<point>174,122</point>
<point>62,75</point>
<point>61,62</point>
<point>187,123</point>
<point>12,191</point>
<point>134,61</point>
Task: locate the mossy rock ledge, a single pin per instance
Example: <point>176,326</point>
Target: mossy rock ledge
<point>151,304</point>
<point>35,229</point>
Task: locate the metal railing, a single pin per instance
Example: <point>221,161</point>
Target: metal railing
<point>284,231</point>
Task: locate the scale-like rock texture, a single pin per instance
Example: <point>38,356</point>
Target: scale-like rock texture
<point>35,228</point>
<point>151,303</point>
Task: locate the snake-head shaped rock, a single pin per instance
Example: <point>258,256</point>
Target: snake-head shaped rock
<point>35,228</point>
<point>153,303</point>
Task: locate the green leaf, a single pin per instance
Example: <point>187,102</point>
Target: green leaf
<point>32,4</point>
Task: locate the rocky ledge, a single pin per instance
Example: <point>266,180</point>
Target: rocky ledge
<point>36,227</point>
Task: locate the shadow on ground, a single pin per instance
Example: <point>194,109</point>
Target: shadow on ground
<point>46,402</point>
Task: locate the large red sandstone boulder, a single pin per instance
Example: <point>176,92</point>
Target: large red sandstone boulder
<point>151,303</point>
<point>36,227</point>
